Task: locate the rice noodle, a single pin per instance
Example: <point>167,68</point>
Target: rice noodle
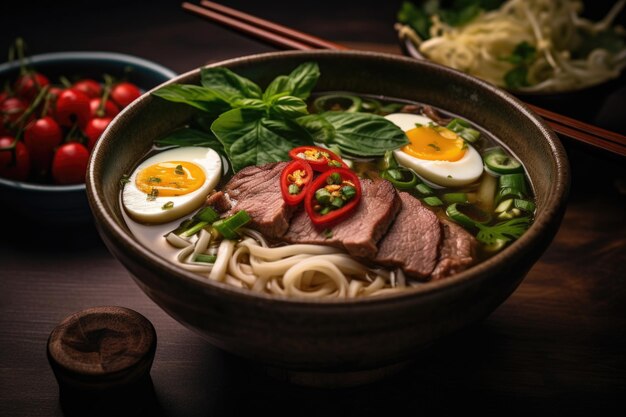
<point>552,26</point>
<point>306,271</point>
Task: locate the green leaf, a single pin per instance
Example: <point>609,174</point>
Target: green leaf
<point>299,83</point>
<point>517,78</point>
<point>250,138</point>
<point>193,95</point>
<point>250,103</point>
<point>365,134</point>
<point>289,107</point>
<point>318,127</point>
<point>227,85</point>
<point>190,137</point>
<point>523,54</point>
<point>505,231</point>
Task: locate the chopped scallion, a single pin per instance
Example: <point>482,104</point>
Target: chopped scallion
<point>209,259</point>
<point>207,214</point>
<point>228,227</point>
<point>433,201</point>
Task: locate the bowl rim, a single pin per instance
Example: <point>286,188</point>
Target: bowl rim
<point>76,56</point>
<point>542,226</point>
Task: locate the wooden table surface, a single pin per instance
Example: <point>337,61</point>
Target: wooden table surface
<point>557,344</point>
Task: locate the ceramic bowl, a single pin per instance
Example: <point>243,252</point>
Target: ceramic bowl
<point>67,204</point>
<point>334,342</point>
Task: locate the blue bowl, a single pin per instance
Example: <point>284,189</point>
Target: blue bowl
<point>67,204</point>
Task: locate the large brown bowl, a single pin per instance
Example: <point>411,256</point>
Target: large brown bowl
<point>335,341</point>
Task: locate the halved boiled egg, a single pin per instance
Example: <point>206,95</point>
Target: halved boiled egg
<point>171,184</point>
<point>436,153</point>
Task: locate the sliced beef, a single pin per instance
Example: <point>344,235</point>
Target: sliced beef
<point>457,253</point>
<point>219,201</point>
<point>358,234</point>
<point>256,189</point>
<point>413,240</point>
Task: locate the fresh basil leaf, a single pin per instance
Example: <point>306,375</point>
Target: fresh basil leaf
<point>281,86</point>
<point>365,134</point>
<point>417,18</point>
<point>318,127</point>
<point>187,136</point>
<point>227,85</point>
<point>193,95</point>
<point>523,54</point>
<point>303,79</point>
<point>289,107</point>
<point>299,83</point>
<point>250,138</point>
<point>250,103</point>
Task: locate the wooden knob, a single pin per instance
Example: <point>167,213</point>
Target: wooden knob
<point>102,355</point>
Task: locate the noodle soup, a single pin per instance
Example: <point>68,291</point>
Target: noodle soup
<point>453,195</point>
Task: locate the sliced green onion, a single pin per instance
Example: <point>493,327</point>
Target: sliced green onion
<point>336,202</point>
<point>451,198</point>
<point>464,129</point>
<point>508,193</point>
<point>207,214</point>
<point>348,191</point>
<point>322,196</point>
<point>167,206</point>
<point>500,163</point>
<point>467,215</point>
<point>389,160</point>
<point>514,181</point>
<point>372,106</point>
<point>401,178</point>
<point>504,206</point>
<point>293,189</point>
<point>325,210</point>
<point>433,201</point>
<point>338,102</point>
<point>334,178</point>
<point>228,227</point>
<point>209,259</point>
<point>424,189</point>
<point>524,205</point>
<point>194,229</point>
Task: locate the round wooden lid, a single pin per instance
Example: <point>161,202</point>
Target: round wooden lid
<point>101,347</point>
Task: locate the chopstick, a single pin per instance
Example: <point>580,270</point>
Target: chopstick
<point>287,38</point>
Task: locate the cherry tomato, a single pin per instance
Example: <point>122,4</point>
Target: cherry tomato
<point>28,85</point>
<point>94,129</point>
<point>15,168</point>
<point>41,136</point>
<point>109,109</point>
<point>320,159</point>
<point>70,164</point>
<point>294,181</point>
<point>91,88</point>
<point>330,214</point>
<point>72,106</point>
<point>12,108</point>
<point>125,93</point>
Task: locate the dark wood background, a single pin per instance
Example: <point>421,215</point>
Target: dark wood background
<point>557,344</point>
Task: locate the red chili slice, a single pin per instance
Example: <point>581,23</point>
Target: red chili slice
<point>338,215</point>
<point>298,173</point>
<point>320,159</point>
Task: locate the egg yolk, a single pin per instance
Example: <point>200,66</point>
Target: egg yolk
<point>170,178</point>
<point>434,143</point>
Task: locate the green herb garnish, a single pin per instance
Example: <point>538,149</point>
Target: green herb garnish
<point>154,193</point>
<point>505,231</point>
<point>179,170</point>
<point>328,233</point>
<point>168,205</point>
<point>154,179</point>
<point>434,146</point>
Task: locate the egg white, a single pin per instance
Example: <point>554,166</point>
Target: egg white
<point>445,173</point>
<point>139,208</point>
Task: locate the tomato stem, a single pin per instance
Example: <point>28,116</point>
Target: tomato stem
<point>21,121</point>
<point>106,91</point>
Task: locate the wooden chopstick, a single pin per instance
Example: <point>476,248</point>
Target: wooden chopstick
<point>287,38</point>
